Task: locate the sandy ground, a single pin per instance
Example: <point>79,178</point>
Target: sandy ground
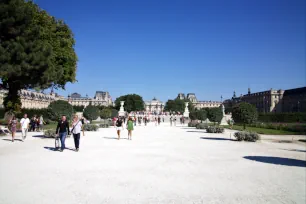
<point>160,165</point>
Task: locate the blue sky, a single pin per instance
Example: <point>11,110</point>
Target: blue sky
<point>163,47</point>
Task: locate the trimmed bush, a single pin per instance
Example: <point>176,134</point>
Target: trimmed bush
<point>91,112</point>
<point>90,127</point>
<point>50,133</point>
<point>201,126</point>
<point>78,108</point>
<point>104,125</point>
<point>193,123</point>
<point>246,136</point>
<point>2,112</point>
<point>244,113</point>
<point>58,108</point>
<point>214,129</point>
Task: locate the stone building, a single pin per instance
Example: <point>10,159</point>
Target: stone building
<point>293,100</point>
<point>101,99</point>
<point>199,104</point>
<point>154,106</point>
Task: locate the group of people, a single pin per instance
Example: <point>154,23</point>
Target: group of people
<point>120,123</point>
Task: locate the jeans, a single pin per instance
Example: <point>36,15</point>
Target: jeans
<point>76,138</point>
<point>24,133</point>
<point>62,136</point>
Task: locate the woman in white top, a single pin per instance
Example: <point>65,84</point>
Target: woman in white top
<point>76,131</point>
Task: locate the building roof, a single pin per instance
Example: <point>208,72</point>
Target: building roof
<point>301,90</point>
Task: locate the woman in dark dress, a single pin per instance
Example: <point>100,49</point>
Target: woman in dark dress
<point>13,125</point>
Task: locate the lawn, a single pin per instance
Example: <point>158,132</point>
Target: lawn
<point>264,131</point>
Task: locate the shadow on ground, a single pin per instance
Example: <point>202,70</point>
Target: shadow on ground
<point>277,160</point>
<point>197,131</point>
<point>216,138</point>
<point>10,140</point>
<point>301,140</point>
<point>42,137</point>
<point>57,149</point>
<point>115,138</point>
<point>295,150</point>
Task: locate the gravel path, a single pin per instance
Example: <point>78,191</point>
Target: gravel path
<point>160,165</point>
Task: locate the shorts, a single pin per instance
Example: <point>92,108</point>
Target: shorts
<point>119,128</point>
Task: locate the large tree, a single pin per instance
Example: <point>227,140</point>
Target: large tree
<point>214,114</point>
<point>132,102</point>
<point>178,105</point>
<point>244,113</point>
<point>91,112</point>
<point>36,50</point>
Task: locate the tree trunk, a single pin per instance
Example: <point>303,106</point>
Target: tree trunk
<point>12,102</point>
<point>243,126</point>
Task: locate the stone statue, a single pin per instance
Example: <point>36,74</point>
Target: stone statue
<point>121,111</point>
<point>186,112</point>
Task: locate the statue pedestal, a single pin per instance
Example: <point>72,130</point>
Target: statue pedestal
<point>121,111</point>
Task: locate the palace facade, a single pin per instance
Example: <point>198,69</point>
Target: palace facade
<point>154,106</point>
<point>291,100</point>
<point>199,104</point>
<point>102,98</point>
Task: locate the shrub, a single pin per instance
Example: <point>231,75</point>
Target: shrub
<point>193,123</point>
<point>106,113</point>
<point>214,129</point>
<point>91,112</point>
<point>282,117</point>
<point>50,133</point>
<point>114,113</point>
<point>31,112</point>
<point>214,114</point>
<point>2,112</point>
<point>3,122</point>
<point>246,136</point>
<point>58,108</point>
<point>90,127</point>
<point>201,126</point>
<point>244,113</point>
<point>104,125</point>
<point>78,108</point>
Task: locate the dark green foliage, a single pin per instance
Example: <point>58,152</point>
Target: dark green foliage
<point>58,108</point>
<point>91,112</point>
<point>214,114</point>
<point>50,133</point>
<point>246,136</point>
<point>36,50</point>
<point>292,127</point>
<point>90,127</point>
<point>214,129</point>
<point>244,113</point>
<point>78,108</point>
<point>192,124</point>
<point>282,117</point>
<point>114,113</point>
<point>178,105</point>
<point>132,102</point>
<point>106,125</point>
<point>202,115</point>
<point>2,112</point>
<point>106,113</point>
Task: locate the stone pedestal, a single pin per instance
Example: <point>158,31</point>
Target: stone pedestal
<point>223,121</point>
<point>186,112</point>
<point>121,111</point>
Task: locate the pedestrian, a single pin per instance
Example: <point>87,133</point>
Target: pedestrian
<point>24,126</point>
<point>119,127</point>
<point>130,128</point>
<point>155,119</point>
<point>158,120</point>
<point>171,120</point>
<point>135,120</point>
<point>163,118</point>
<point>76,131</point>
<point>13,127</point>
<point>145,120</point>
<point>61,130</point>
<point>41,123</point>
<point>83,122</point>
<point>174,120</point>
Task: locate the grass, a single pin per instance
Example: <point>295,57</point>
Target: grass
<point>264,131</point>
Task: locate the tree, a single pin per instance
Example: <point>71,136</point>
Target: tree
<point>214,114</point>
<point>178,105</point>
<point>36,50</point>
<point>244,113</point>
<point>58,108</point>
<point>91,112</point>
<point>106,113</point>
<point>201,115</point>
<point>132,102</point>
<point>114,113</point>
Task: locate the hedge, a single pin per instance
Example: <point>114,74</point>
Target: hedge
<point>282,117</point>
<point>2,112</point>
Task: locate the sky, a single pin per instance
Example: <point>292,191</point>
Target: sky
<point>159,48</point>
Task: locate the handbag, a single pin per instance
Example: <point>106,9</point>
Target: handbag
<point>74,127</point>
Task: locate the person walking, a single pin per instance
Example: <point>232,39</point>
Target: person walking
<point>61,130</point>
<point>171,120</point>
<point>119,127</point>
<point>174,120</point>
<point>130,128</point>
<point>24,126</point>
<point>158,120</point>
<point>76,131</point>
<point>41,123</point>
<point>13,127</point>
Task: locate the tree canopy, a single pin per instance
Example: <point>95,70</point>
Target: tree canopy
<point>36,50</point>
<point>132,102</point>
<point>178,105</point>
<point>244,113</point>
<point>58,108</point>
<point>214,114</point>
<point>91,112</point>
<point>106,113</point>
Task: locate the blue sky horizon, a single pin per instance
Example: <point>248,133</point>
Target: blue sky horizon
<point>164,47</point>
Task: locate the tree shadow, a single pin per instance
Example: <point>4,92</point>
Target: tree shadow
<point>57,149</point>
<point>188,128</point>
<point>10,140</point>
<point>295,150</point>
<point>197,131</point>
<point>216,138</point>
<point>277,160</point>
<point>301,140</point>
<point>42,137</point>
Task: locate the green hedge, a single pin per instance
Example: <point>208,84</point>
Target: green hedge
<point>32,112</point>
<point>78,108</point>
<point>282,117</point>
<point>2,112</point>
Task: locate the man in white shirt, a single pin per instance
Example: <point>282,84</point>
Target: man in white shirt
<point>24,126</point>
